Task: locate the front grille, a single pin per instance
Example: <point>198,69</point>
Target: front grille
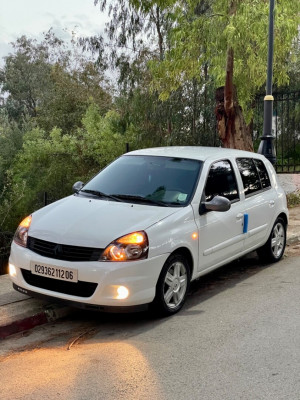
<point>63,251</point>
<point>80,288</point>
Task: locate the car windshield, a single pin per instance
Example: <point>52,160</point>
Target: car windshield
<point>152,180</point>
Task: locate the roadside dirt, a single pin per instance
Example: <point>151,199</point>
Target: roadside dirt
<point>293,250</point>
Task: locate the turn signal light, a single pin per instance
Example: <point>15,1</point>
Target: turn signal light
<point>26,222</point>
<point>133,238</point>
<point>22,232</point>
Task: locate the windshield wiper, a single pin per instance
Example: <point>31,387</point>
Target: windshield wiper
<point>140,199</point>
<point>100,194</point>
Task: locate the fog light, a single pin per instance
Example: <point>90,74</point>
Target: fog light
<point>12,270</point>
<point>123,293</point>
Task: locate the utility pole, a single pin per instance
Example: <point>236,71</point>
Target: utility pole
<point>266,146</point>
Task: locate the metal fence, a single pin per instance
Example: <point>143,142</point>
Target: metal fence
<point>285,126</point>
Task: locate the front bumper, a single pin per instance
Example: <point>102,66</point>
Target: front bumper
<point>85,306</point>
<point>140,277</point>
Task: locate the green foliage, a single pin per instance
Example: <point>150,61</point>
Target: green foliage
<point>51,84</point>
<point>25,77</point>
<point>72,91</point>
<point>185,118</point>
<point>294,68</point>
<point>11,137</point>
<point>48,96</point>
<point>10,196</point>
<point>52,163</point>
<point>240,25</point>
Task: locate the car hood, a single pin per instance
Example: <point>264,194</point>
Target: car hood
<point>89,222</point>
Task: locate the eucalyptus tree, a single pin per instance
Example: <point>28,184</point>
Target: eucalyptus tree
<point>136,35</point>
<point>230,37</point>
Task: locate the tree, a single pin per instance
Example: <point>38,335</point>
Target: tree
<point>137,34</point>
<point>53,162</point>
<point>230,38</point>
<point>51,83</point>
<point>24,78</point>
<point>294,64</point>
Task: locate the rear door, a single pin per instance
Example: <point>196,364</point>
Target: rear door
<point>260,199</point>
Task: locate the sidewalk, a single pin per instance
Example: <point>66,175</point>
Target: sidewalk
<point>19,312</point>
<point>289,182</point>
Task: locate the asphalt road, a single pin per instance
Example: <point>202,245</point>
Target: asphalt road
<point>238,337</point>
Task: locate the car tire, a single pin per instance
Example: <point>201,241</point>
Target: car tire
<point>273,250</point>
<point>172,286</point>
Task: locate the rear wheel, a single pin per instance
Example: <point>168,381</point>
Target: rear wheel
<point>273,250</point>
<point>172,286</point>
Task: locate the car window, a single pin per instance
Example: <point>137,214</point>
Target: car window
<point>221,182</point>
<point>263,173</point>
<point>249,175</point>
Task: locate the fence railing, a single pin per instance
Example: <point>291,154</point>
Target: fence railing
<point>285,127</point>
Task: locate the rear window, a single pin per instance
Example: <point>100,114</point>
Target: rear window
<point>254,175</point>
<point>263,173</point>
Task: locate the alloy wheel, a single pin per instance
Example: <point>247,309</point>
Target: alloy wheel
<point>175,284</point>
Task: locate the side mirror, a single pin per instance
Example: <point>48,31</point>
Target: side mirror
<point>77,186</point>
<point>218,203</point>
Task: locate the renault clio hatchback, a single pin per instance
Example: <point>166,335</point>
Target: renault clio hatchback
<point>152,221</point>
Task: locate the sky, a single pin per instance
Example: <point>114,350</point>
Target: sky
<point>33,17</point>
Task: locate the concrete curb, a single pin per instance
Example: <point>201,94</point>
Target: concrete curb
<point>50,313</point>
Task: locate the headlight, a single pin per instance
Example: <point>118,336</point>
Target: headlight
<point>133,246</point>
<point>22,232</point>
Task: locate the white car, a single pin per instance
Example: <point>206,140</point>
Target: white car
<point>152,221</point>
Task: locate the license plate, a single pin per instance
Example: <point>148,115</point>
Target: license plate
<point>51,271</point>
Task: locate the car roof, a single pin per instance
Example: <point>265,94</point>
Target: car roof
<point>195,152</point>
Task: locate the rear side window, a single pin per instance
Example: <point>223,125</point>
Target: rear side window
<point>254,175</point>
<point>263,173</point>
<point>221,182</point>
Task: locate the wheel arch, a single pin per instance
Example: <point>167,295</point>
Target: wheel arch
<point>284,217</point>
<point>185,252</point>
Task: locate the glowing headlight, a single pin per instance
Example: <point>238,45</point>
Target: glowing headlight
<point>12,270</point>
<point>22,232</point>
<point>127,248</point>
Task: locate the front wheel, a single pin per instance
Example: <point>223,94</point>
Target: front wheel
<point>273,250</point>
<point>172,286</point>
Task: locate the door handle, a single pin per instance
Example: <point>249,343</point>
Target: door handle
<point>239,216</point>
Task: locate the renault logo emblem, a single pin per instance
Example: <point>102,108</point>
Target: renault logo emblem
<point>57,249</point>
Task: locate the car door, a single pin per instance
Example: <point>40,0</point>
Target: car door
<point>260,198</point>
<point>220,233</point>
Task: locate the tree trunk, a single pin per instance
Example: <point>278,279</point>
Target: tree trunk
<point>159,34</point>
<point>233,130</point>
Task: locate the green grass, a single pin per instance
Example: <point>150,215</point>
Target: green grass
<point>293,199</point>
